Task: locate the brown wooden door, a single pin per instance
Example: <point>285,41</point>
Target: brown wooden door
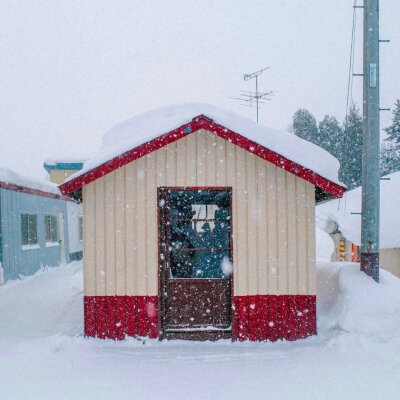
<point>195,263</point>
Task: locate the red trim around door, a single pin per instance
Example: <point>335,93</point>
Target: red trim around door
<point>203,122</point>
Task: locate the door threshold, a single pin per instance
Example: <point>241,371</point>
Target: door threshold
<point>197,334</point>
<point>208,328</point>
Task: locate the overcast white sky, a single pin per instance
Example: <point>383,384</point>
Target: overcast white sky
<point>72,69</point>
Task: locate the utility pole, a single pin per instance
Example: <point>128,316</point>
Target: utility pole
<point>371,143</point>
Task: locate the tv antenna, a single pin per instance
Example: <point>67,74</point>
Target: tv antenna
<point>251,97</point>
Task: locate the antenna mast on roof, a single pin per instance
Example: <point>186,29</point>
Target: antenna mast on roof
<point>250,97</point>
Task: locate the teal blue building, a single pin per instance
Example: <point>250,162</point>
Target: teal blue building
<point>33,230</point>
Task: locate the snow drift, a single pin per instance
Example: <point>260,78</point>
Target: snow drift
<point>353,302</point>
<point>337,213</point>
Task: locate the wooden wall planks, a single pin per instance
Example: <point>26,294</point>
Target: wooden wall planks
<point>273,219</point>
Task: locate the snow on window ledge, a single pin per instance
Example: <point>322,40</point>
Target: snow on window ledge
<point>52,244</point>
<point>30,246</point>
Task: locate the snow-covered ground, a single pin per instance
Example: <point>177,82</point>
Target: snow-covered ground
<point>356,354</point>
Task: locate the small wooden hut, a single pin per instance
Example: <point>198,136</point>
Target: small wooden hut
<point>199,224</point>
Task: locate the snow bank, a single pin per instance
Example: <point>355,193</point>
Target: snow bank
<point>325,245</point>
<point>8,176</point>
<point>145,127</point>
<point>350,300</point>
<point>45,304</point>
<point>44,354</point>
<point>339,211</point>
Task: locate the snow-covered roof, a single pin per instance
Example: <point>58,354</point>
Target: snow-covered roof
<point>10,177</point>
<point>149,126</point>
<point>337,213</point>
<point>64,160</point>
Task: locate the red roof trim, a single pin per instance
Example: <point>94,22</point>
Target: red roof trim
<point>36,192</point>
<point>203,122</point>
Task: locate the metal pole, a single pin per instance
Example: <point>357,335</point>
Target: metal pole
<point>257,96</point>
<point>370,145</point>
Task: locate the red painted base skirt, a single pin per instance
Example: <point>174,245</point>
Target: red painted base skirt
<point>115,317</point>
<point>273,317</point>
<point>256,318</point>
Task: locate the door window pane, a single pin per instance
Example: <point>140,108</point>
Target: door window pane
<point>199,233</point>
<point>209,264</point>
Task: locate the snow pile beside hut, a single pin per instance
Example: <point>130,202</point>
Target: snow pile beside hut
<point>352,302</point>
<point>337,213</point>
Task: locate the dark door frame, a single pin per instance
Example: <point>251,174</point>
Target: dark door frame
<point>163,271</point>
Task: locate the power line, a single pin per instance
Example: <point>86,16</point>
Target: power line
<point>351,60</point>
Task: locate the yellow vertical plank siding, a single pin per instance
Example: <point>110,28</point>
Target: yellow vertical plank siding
<point>119,237</point>
<point>229,179</point>
<point>210,164</point>
<point>89,254</point>
<point>271,227</point>
<point>130,228</point>
<point>240,228</point>
<point>201,153</point>
<point>220,162</point>
<point>281,233</point>
<point>151,223</point>
<point>181,160</point>
<point>141,227</point>
<point>100,240</point>
<point>262,193</point>
<point>110,234</point>
<point>171,165</point>
<point>272,219</point>
<point>291,229</point>
<point>252,222</point>
<point>311,243</point>
<point>302,238</point>
<point>191,160</point>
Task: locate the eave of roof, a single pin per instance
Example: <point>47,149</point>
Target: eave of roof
<point>35,192</point>
<point>202,122</point>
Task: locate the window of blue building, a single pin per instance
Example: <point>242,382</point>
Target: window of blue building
<point>51,228</point>
<point>29,229</point>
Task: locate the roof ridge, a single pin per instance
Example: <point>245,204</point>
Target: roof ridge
<point>201,121</point>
